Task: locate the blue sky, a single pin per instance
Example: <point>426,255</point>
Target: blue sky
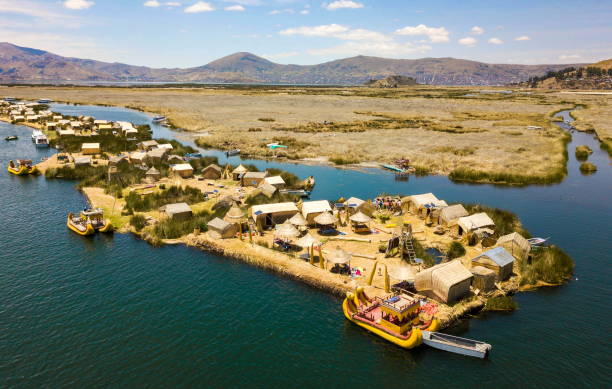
<point>184,33</point>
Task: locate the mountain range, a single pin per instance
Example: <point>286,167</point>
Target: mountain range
<point>26,65</point>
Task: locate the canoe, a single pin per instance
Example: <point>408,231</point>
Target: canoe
<point>409,340</point>
<point>455,344</point>
<point>11,137</point>
<point>79,226</point>
<point>230,153</point>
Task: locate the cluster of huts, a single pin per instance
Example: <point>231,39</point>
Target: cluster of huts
<point>24,112</point>
<point>451,281</point>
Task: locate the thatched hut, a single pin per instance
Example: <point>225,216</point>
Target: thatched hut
<point>220,229</point>
<point>472,223</point>
<point>415,202</point>
<point>516,245</point>
<point>267,215</point>
<point>234,215</point>
<point>286,231</point>
<point>147,145</point>
<point>298,220</point>
<point>338,257</point>
<point>183,170</point>
<point>179,211</point>
<point>157,155</point>
<point>451,214</point>
<point>238,172</point>
<point>307,241</point>
<point>253,178</point>
<point>212,172</point>
<point>267,189</point>
<point>152,175</point>
<point>354,205</point>
<point>90,148</point>
<point>484,279</point>
<point>448,281</point>
<point>312,209</point>
<point>276,181</point>
<point>497,259</point>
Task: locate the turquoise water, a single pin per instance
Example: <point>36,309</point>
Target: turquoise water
<point>114,311</point>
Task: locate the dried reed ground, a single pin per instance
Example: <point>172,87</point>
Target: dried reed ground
<point>495,140</point>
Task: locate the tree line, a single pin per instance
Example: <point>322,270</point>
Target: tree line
<point>570,72</point>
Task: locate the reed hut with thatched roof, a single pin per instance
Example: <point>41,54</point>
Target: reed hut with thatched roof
<point>448,281</point>
<point>238,172</point>
<point>516,245</point>
<point>298,220</point>
<point>472,223</point>
<point>235,216</point>
<point>268,215</point>
<point>267,189</point>
<point>152,175</point>
<point>307,241</point>
<point>414,202</point>
<point>312,209</point>
<point>253,178</point>
<point>211,172</point>
<point>402,273</point>
<point>183,170</point>
<point>354,205</point>
<point>497,259</point>
<point>484,279</point>
<point>220,229</point>
<point>451,214</point>
<point>276,181</point>
<point>178,211</point>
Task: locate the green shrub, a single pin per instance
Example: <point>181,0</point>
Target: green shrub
<point>500,303</point>
<point>455,250</point>
<point>169,228</point>
<point>138,222</point>
<point>174,194</point>
<point>548,264</point>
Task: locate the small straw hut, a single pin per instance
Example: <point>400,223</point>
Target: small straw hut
<point>452,213</point>
<point>266,215</point>
<point>152,175</point>
<point>448,281</point>
<point>312,209</point>
<point>360,222</point>
<point>516,245</point>
<point>238,172</point>
<point>211,172</point>
<point>468,224</point>
<point>179,211</point>
<point>484,279</point>
<point>267,189</point>
<point>415,202</point>
<point>234,215</point>
<point>307,241</point>
<point>221,229</point>
<point>402,273</point>
<point>354,205</point>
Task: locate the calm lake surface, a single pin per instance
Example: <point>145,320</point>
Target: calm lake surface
<point>114,311</point>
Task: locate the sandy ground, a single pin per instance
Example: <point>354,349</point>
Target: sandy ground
<point>496,138</point>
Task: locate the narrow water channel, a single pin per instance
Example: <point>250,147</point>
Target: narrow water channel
<point>114,311</point>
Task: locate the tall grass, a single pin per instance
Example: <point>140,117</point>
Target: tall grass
<point>174,194</point>
<point>169,228</point>
<point>500,303</point>
<point>549,264</point>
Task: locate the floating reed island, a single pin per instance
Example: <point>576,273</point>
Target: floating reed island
<point>460,257</point>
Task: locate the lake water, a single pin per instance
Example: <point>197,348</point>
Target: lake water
<point>114,311</point>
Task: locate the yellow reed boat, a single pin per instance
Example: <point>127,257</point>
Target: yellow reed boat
<point>96,217</point>
<point>21,168</point>
<point>394,318</point>
<point>79,225</point>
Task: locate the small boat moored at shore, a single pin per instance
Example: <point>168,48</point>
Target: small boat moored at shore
<point>96,218</point>
<point>40,139</point>
<point>11,137</point>
<point>45,101</point>
<point>159,119</point>
<point>79,225</point>
<point>296,192</point>
<point>455,344</point>
<point>230,153</point>
<point>22,167</point>
<point>394,318</point>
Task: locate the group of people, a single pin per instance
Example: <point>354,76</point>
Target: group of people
<point>388,203</point>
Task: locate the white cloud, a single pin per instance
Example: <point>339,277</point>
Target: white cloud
<point>467,41</point>
<point>569,56</point>
<point>495,41</point>
<point>238,8</point>
<point>78,4</point>
<point>172,4</point>
<point>339,4</point>
<point>155,4</point>
<point>522,38</point>
<point>324,30</point>
<point>434,34</point>
<point>281,11</point>
<point>280,55</point>
<point>200,6</point>
<point>152,3</point>
<point>38,11</point>
<point>386,49</point>
<point>477,30</point>
<point>304,12</point>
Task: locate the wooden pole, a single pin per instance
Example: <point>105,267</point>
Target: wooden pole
<point>371,276</point>
<point>386,275</point>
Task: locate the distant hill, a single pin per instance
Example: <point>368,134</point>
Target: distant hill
<point>22,64</point>
<point>594,76</point>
